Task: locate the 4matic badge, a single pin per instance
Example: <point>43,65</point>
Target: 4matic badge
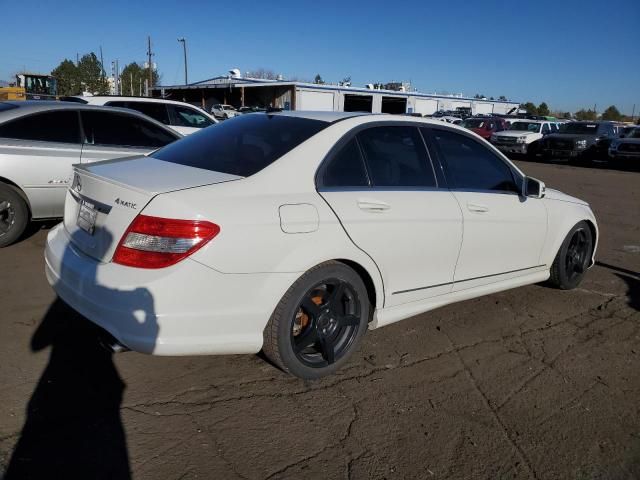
<point>122,203</point>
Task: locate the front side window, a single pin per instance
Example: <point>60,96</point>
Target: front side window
<point>155,110</point>
<point>396,157</point>
<point>188,117</point>
<point>470,165</point>
<point>116,129</point>
<point>545,128</point>
<point>57,126</point>
<point>241,146</point>
<point>346,168</point>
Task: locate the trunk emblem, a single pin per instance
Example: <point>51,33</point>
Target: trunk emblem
<point>123,203</point>
<point>77,184</point>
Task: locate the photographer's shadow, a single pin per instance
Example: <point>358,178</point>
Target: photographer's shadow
<point>73,427</point>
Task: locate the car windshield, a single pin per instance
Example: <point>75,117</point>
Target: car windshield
<point>635,133</point>
<point>473,123</point>
<point>579,128</point>
<point>243,145</point>
<point>526,127</point>
<point>228,107</point>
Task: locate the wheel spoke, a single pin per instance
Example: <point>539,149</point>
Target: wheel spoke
<point>335,299</point>
<point>326,345</point>
<point>310,307</point>
<point>349,320</point>
<point>308,338</point>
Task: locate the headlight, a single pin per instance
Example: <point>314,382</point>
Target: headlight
<point>581,144</point>
<point>522,139</point>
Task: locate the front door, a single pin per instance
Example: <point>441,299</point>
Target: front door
<point>504,232</point>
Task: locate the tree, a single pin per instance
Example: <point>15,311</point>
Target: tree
<point>543,110</point>
<point>263,73</point>
<point>67,76</point>
<point>479,96</point>
<point>318,80</point>
<point>91,76</point>
<point>346,81</point>
<point>133,77</point>
<point>588,115</point>
<point>502,98</point>
<point>612,113</point>
<point>530,108</point>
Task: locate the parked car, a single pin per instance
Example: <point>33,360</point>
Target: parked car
<point>523,137</point>
<point>40,140</point>
<point>182,117</point>
<point>224,111</point>
<point>580,141</point>
<point>485,126</point>
<point>626,130</point>
<point>448,119</point>
<point>627,149</point>
<point>296,232</point>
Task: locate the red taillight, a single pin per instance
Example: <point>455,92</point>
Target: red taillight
<point>154,242</point>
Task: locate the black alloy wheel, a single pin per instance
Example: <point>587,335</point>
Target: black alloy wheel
<point>14,215</point>
<point>319,322</point>
<point>573,257</point>
<point>325,323</point>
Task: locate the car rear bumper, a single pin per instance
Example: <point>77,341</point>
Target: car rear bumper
<point>185,309</point>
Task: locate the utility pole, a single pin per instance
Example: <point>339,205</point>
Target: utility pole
<point>184,48</point>
<point>131,82</point>
<point>149,55</point>
<point>104,74</point>
<point>633,113</point>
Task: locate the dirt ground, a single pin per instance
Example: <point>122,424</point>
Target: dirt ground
<point>531,383</point>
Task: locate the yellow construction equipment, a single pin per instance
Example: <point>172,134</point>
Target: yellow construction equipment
<point>12,93</point>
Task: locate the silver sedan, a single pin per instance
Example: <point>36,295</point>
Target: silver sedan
<point>40,141</point>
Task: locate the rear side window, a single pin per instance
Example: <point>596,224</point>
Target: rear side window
<point>57,126</point>
<point>188,117</point>
<point>346,168</point>
<point>243,145</point>
<point>115,129</point>
<point>545,128</point>
<point>396,157</point>
<point>470,165</point>
<point>554,127</point>
<point>155,110</point>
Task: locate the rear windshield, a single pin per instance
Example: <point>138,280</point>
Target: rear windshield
<point>473,123</point>
<point>243,145</point>
<point>526,127</point>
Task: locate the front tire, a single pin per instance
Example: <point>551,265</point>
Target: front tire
<point>572,260</point>
<point>319,322</point>
<point>14,215</point>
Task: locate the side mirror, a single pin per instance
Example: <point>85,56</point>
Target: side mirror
<point>534,188</point>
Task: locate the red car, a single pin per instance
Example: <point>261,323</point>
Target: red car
<point>485,126</point>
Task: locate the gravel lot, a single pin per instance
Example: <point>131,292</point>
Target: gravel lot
<point>531,383</point>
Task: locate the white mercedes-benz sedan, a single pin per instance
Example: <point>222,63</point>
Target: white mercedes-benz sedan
<point>295,232</point>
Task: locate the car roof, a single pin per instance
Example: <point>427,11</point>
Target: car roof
<point>26,107</point>
<point>100,99</point>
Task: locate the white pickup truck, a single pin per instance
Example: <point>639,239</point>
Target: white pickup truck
<point>523,136</point>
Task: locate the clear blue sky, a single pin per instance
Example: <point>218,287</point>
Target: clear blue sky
<point>570,53</point>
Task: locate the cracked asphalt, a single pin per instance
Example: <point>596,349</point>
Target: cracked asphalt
<point>533,383</point>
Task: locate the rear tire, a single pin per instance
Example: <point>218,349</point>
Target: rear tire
<point>572,260</point>
<point>14,215</point>
<point>319,322</point>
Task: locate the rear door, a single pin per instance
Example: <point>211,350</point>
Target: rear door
<point>504,232</point>
<point>37,152</point>
<point>110,135</point>
<point>383,188</point>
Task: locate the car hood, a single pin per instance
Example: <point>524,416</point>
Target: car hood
<point>570,136</point>
<point>515,133</point>
<point>557,195</point>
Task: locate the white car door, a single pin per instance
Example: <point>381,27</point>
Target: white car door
<point>113,134</point>
<point>383,188</point>
<point>37,153</point>
<point>504,231</point>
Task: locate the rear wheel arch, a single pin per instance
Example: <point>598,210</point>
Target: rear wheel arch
<point>19,191</point>
<point>594,236</point>
<point>367,279</point>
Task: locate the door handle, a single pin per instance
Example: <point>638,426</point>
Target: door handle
<point>373,205</point>
<point>476,207</point>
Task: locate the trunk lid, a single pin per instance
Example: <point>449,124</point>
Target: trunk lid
<point>105,197</point>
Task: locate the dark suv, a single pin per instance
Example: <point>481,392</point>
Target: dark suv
<point>580,141</point>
